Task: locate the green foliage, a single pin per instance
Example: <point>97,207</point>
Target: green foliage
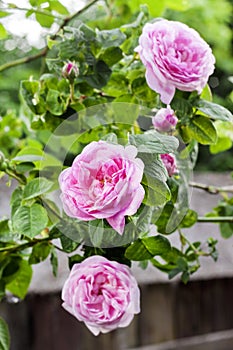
<point>147,248</point>
<point>224,209</point>
<point>19,285</point>
<point>4,335</point>
<point>30,221</point>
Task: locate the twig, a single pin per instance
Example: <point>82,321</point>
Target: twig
<point>23,246</point>
<point>211,189</point>
<point>44,51</point>
<point>39,11</point>
<point>215,219</point>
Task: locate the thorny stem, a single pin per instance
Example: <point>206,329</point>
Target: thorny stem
<point>43,52</point>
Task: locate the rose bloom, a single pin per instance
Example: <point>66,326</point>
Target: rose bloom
<point>165,120</point>
<point>169,162</point>
<point>175,57</point>
<point>103,182</point>
<point>101,293</point>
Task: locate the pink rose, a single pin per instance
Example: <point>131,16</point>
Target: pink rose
<point>176,57</point>
<point>169,162</point>
<point>101,293</point>
<point>165,120</point>
<point>103,182</point>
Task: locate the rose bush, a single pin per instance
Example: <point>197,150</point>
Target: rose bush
<point>103,182</point>
<point>175,57</point>
<point>101,293</point>
<point>87,127</point>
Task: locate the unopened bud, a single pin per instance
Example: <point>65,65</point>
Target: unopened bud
<point>70,71</point>
<point>165,120</point>
<point>169,161</point>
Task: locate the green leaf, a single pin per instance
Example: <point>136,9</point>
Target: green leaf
<point>68,245</point>
<point>24,167</point>
<point>16,199</point>
<point>190,219</point>
<point>100,76</point>
<point>157,192</point>
<point>54,261</point>
<point>73,230</point>
<point>3,32</point>
<point>117,85</point>
<point>154,167</point>
<point>38,157</point>
<point>39,252</point>
<point>202,130</point>
<point>96,231</point>
<point>36,187</point>
<point>163,222</point>
<point>143,223</point>
<point>110,38</point>
<point>157,245</point>
<point>206,93</point>
<point>137,252</point>
<point>56,103</point>
<point>226,229</point>
<point>214,111</point>
<point>154,142</point>
<point>4,336</point>
<point>222,144</point>
<point>19,285</point>
<point>30,91</point>
<point>182,108</point>
<point>45,21</point>
<point>225,137</point>
<point>4,14</point>
<point>55,5</point>
<point>30,221</point>
<point>146,248</point>
<point>4,228</point>
<point>75,259</point>
<point>29,154</point>
<point>111,55</point>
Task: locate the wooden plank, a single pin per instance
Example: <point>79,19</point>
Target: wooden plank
<point>156,318</point>
<point>213,341</point>
<point>203,307</point>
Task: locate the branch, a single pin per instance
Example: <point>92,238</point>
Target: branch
<point>211,189</point>
<point>39,11</point>
<point>19,247</point>
<point>44,51</point>
<point>24,60</point>
<point>215,219</point>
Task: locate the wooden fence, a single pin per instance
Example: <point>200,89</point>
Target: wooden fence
<point>169,311</point>
<point>195,316</point>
